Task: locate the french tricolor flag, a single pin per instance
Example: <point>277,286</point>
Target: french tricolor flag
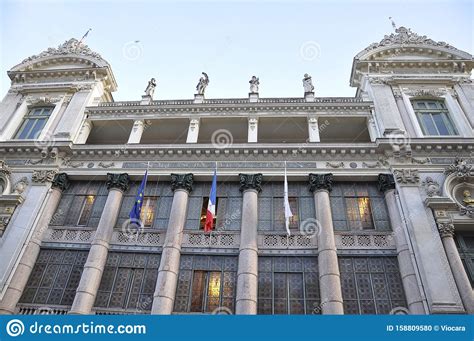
<point>211,206</point>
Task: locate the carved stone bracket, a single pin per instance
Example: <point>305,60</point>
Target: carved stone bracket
<point>118,181</point>
<point>407,176</point>
<point>385,182</point>
<point>251,181</point>
<point>320,182</point>
<point>182,181</point>
<point>60,181</point>
<point>446,230</point>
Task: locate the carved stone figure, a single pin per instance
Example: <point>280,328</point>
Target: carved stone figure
<point>150,89</point>
<point>254,83</point>
<point>468,200</point>
<point>431,186</point>
<point>307,83</point>
<point>203,83</point>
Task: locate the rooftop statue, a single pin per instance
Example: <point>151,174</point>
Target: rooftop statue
<point>307,83</point>
<point>150,89</point>
<point>203,83</point>
<point>254,83</point>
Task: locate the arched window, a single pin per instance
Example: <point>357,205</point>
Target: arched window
<point>433,117</point>
<point>33,123</point>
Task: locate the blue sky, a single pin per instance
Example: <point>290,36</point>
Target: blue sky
<point>230,40</point>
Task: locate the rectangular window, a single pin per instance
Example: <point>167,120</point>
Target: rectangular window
<point>55,277</point>
<point>358,206</point>
<point>433,117</point>
<point>371,285</point>
<point>206,290</point>
<point>128,281</point>
<point>465,244</point>
<point>33,123</point>
<point>206,283</point>
<point>148,211</point>
<point>202,220</point>
<point>86,210</point>
<point>288,285</point>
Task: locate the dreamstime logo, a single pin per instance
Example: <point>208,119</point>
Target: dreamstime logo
<point>399,140</point>
<point>15,328</point>
<point>310,51</point>
<point>222,138</point>
<point>131,228</point>
<point>47,141</point>
<point>310,227</point>
<point>132,50</point>
<point>222,311</point>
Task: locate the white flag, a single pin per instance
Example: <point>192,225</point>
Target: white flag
<point>288,213</point>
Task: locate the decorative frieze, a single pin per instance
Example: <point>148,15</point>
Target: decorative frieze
<point>251,181</point>
<point>385,182</point>
<point>320,182</point>
<point>60,181</point>
<point>407,176</point>
<point>182,181</point>
<point>118,181</point>
<point>43,176</point>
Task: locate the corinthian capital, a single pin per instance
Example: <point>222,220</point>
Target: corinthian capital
<point>251,181</point>
<point>182,181</point>
<point>320,182</point>
<point>446,229</point>
<point>118,181</point>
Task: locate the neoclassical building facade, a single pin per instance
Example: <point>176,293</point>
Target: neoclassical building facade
<point>381,186</point>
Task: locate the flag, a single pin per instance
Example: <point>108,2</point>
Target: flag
<point>137,207</point>
<point>288,213</point>
<point>85,35</point>
<point>211,205</point>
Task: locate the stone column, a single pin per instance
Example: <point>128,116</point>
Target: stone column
<point>86,292</point>
<point>247,273</point>
<point>313,129</point>
<point>167,281</point>
<point>32,250</point>
<point>446,231</point>
<point>137,132</point>
<point>386,184</point>
<point>329,276</point>
<point>84,132</point>
<point>439,286</point>
<point>193,130</point>
<point>253,130</point>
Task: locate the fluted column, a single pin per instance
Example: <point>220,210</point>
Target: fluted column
<point>446,231</point>
<point>386,184</point>
<point>329,275</point>
<point>247,273</point>
<point>86,292</point>
<point>32,250</point>
<point>167,281</point>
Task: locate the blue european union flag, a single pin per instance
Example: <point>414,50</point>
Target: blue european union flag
<point>137,207</point>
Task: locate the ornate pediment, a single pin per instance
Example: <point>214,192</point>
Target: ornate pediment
<point>405,36</point>
<point>69,47</point>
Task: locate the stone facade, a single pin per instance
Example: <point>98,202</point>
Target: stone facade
<point>381,189</point>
